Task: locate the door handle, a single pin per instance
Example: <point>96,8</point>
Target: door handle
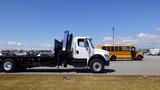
<point>77,52</point>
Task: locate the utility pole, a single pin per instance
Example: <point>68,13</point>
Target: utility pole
<point>113,34</point>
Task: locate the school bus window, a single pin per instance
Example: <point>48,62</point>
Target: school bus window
<point>128,48</point>
<point>124,48</point>
<point>108,48</point>
<point>120,48</point>
<point>116,48</point>
<point>104,48</point>
<point>112,48</point>
<point>133,49</point>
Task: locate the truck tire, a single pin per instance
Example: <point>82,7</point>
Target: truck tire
<point>96,66</point>
<point>8,65</point>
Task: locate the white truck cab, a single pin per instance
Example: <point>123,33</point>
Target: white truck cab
<point>84,52</point>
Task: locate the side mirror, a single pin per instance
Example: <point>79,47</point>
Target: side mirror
<point>87,48</point>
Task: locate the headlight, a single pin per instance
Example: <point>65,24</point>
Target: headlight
<point>106,56</point>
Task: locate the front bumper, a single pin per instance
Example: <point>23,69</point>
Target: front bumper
<point>107,63</point>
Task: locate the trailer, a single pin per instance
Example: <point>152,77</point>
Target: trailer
<point>77,52</point>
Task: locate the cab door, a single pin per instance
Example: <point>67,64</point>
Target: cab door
<point>81,52</point>
<point>82,49</point>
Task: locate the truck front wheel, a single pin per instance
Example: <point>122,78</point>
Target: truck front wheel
<point>96,66</point>
<point>8,65</point>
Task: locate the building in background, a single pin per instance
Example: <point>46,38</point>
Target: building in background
<point>154,51</point>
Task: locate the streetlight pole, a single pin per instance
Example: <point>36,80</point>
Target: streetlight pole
<point>113,34</point>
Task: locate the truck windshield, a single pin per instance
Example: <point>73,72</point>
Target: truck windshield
<point>90,41</point>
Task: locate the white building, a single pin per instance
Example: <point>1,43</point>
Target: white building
<point>154,51</point>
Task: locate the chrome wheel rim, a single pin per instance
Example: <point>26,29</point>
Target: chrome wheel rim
<point>97,66</point>
<point>7,66</point>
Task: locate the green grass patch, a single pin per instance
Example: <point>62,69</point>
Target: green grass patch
<point>74,82</point>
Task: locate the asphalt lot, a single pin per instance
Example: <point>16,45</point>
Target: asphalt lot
<point>150,65</point>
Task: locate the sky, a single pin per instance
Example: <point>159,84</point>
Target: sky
<point>34,24</point>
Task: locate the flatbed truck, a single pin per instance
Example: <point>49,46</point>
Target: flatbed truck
<point>77,52</point>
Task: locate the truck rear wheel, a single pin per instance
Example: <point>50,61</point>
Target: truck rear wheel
<point>96,66</point>
<point>8,65</point>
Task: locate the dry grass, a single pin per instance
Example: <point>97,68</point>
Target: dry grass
<point>53,82</point>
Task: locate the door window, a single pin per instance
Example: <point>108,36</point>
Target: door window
<point>81,43</point>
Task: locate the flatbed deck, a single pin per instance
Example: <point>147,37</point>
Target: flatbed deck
<point>32,61</point>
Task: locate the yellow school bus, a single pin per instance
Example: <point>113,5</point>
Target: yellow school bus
<point>118,52</point>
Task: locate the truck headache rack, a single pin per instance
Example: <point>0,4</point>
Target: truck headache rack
<point>62,49</point>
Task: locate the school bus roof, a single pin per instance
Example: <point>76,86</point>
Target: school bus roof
<point>115,45</point>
